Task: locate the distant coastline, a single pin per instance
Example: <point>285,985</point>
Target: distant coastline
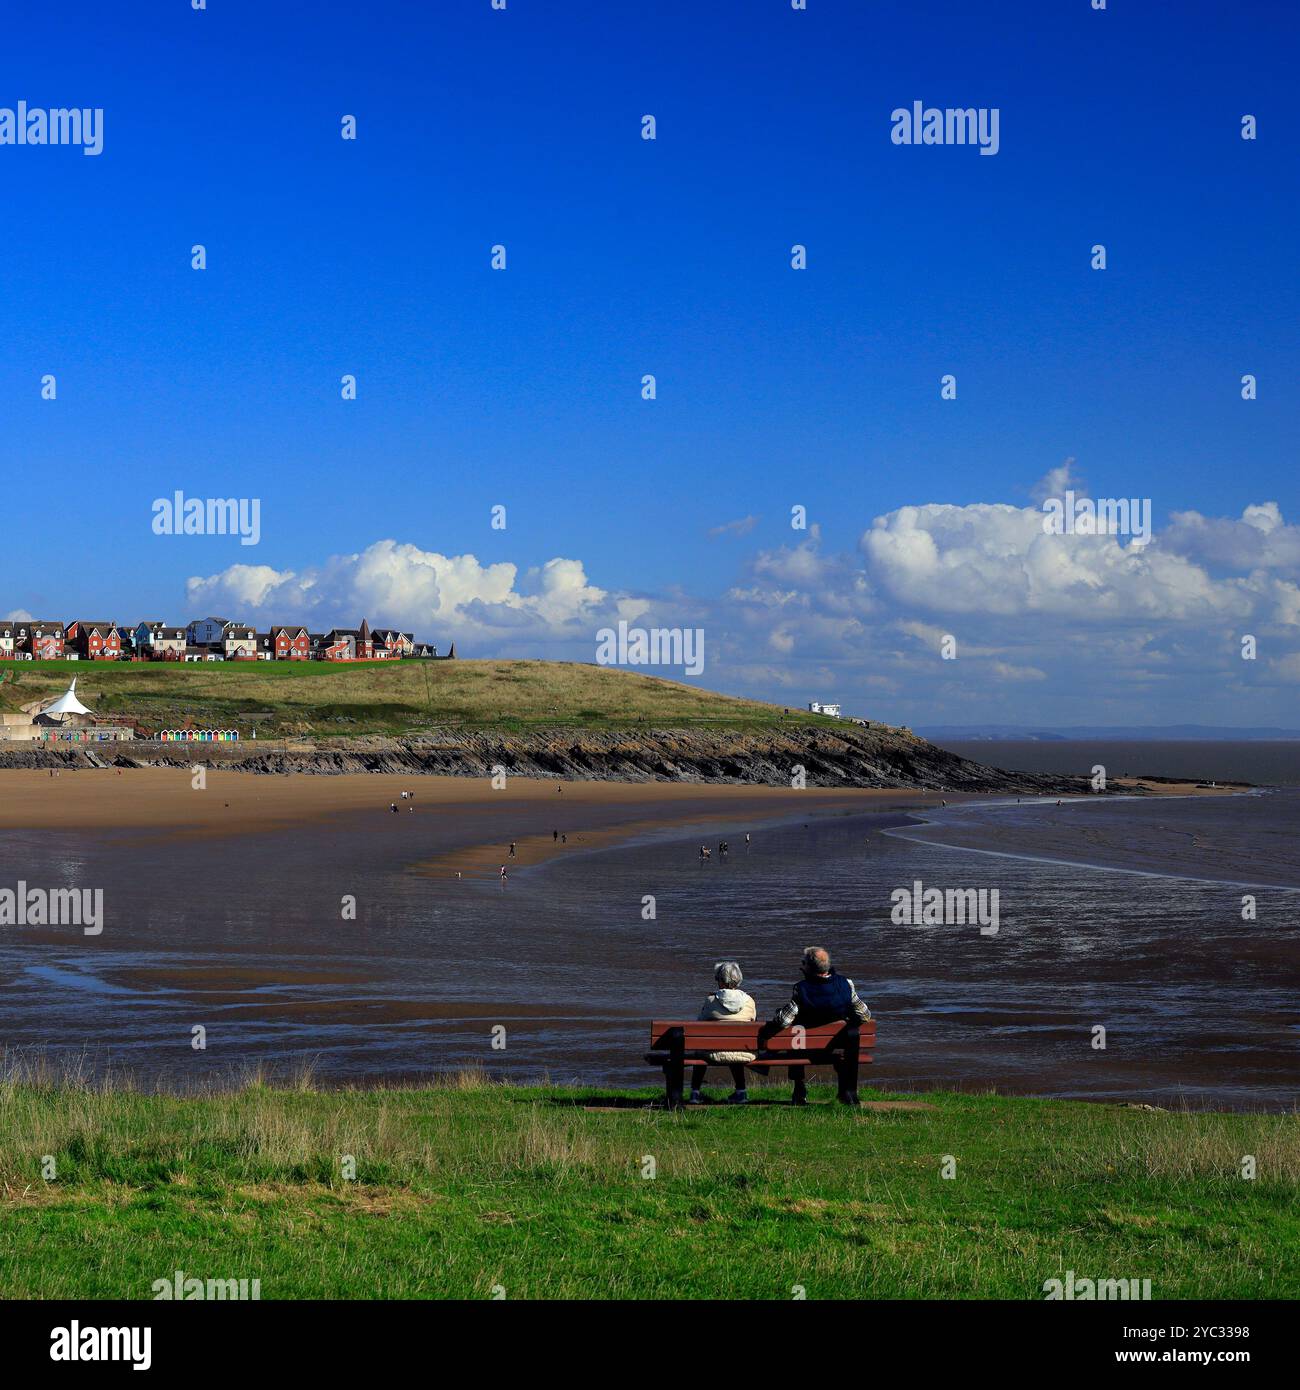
<point>1117,733</point>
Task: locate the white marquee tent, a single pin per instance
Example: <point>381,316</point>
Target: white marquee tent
<point>66,704</point>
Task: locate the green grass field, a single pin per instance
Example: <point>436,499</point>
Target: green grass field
<point>320,699</point>
<point>469,1186</point>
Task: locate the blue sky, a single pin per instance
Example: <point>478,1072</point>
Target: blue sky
<point>775,387</point>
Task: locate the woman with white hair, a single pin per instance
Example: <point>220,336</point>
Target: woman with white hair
<point>731,1004</point>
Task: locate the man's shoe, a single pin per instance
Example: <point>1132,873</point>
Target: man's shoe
<point>695,1099</point>
<point>737,1098</point>
<point>847,1098</point>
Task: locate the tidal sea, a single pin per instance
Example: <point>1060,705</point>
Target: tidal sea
<point>1168,928</point>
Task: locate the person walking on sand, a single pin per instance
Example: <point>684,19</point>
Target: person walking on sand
<point>504,875</point>
<point>821,996</point>
<point>555,835</point>
<point>730,1004</point>
<point>512,849</point>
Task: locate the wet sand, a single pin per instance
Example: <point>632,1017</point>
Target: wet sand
<point>235,803</point>
<point>590,814</point>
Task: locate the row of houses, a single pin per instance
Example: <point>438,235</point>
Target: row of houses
<point>205,639</point>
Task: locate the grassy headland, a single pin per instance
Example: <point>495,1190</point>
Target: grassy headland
<point>322,699</point>
<point>542,1191</point>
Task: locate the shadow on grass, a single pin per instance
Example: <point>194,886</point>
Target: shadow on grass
<point>657,1103</point>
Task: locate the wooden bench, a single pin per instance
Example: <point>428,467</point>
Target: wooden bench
<point>676,1045</point>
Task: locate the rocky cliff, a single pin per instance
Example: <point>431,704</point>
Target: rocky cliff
<point>832,757</point>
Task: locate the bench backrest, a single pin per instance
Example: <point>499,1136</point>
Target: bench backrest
<point>714,1035</point>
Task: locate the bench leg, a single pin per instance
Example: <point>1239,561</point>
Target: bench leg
<point>674,1079</point>
<point>847,1066</point>
<point>799,1096</point>
<point>675,1069</point>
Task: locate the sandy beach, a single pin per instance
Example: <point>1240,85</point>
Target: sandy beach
<point>589,815</point>
<point>237,803</point>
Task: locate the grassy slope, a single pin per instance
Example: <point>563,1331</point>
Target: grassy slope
<point>459,1189</point>
<point>322,698</point>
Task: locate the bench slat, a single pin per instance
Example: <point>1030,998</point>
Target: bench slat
<point>707,1035</point>
<point>764,1063</point>
<point>747,1042</point>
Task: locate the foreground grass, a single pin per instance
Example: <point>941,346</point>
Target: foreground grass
<point>462,1188</point>
<point>321,699</point>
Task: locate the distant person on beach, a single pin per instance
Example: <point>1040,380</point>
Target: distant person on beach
<point>704,852</point>
<point>512,849</point>
<point>821,996</point>
<point>393,807</point>
<point>730,1004</point>
<point>555,835</point>
<point>504,875</point>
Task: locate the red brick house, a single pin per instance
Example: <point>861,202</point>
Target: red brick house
<point>349,643</point>
<point>42,641</point>
<point>289,643</point>
<point>94,641</point>
<point>391,643</point>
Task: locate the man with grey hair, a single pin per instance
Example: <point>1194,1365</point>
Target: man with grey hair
<point>821,996</point>
<point>731,1004</point>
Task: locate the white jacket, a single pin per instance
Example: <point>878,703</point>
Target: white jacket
<point>737,1007</point>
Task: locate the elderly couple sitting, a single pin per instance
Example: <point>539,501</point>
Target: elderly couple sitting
<point>821,996</point>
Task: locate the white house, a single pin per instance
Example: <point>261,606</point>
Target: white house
<point>157,640</point>
<point>817,707</point>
